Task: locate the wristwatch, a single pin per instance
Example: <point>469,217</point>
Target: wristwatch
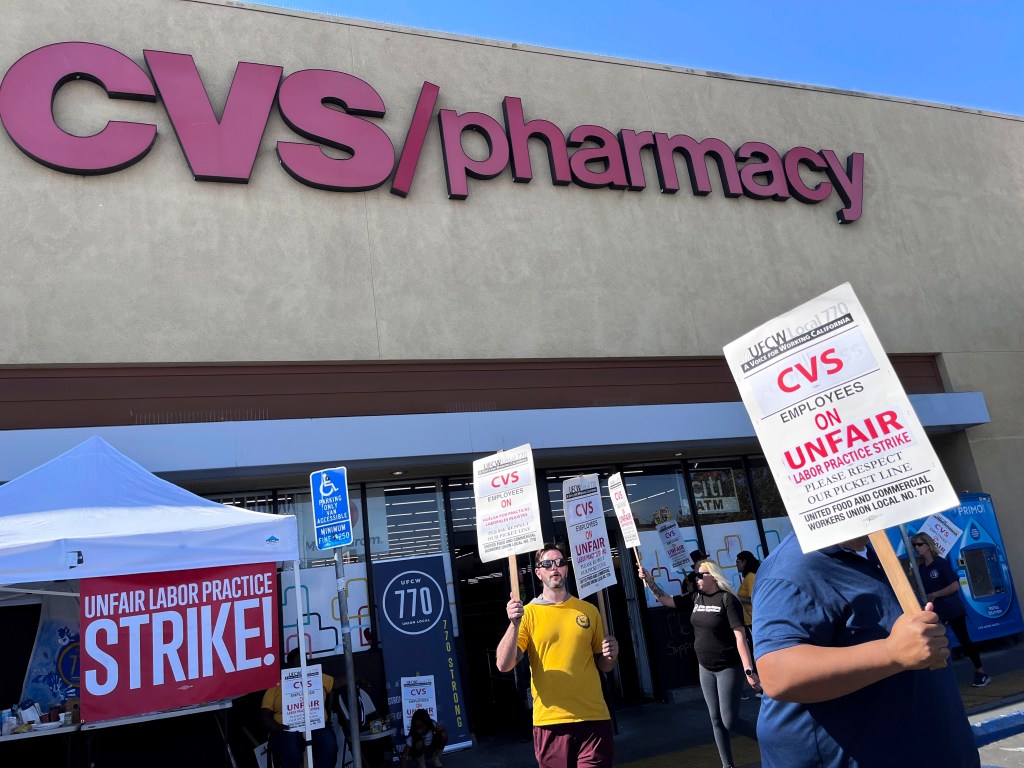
<point>748,672</point>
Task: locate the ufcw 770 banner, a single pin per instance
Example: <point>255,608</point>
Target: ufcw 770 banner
<point>417,637</point>
<point>163,640</point>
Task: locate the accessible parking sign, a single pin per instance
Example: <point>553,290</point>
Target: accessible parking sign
<point>331,515</point>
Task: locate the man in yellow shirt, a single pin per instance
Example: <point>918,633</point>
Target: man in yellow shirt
<point>289,745</point>
<point>564,639</point>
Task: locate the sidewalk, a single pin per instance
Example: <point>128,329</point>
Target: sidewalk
<point>678,734</point>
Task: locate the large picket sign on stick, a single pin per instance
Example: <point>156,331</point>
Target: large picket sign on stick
<point>588,535</point>
<point>620,502</point>
<point>848,453</point>
<point>672,540</point>
<point>588,538</point>
<point>507,512</point>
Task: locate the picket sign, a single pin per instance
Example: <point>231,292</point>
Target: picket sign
<point>589,543</point>
<point>848,453</point>
<point>620,502</point>
<point>507,510</point>
<point>672,540</point>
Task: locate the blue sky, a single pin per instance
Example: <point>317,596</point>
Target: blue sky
<point>968,53</point>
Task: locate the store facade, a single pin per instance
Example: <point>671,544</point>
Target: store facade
<point>281,241</point>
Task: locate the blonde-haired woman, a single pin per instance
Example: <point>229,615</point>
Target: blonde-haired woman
<point>720,643</point>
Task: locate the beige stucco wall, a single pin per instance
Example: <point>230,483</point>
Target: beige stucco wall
<point>147,265</point>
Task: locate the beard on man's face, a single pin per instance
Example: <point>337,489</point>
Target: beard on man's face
<point>553,578</point>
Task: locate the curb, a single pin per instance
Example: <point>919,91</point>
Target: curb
<point>998,728</point>
<point>1005,701</point>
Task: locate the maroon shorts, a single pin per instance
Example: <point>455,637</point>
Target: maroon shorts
<point>574,745</point>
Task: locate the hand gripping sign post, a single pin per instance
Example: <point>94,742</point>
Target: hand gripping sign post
<point>507,512</point>
<point>588,539</point>
<point>332,520</point>
<point>848,453</point>
<point>620,502</point>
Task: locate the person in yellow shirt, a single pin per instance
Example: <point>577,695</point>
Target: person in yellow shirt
<point>564,639</point>
<point>746,566</point>
<point>288,745</point>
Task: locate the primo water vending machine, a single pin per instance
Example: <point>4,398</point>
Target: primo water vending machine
<point>976,552</point>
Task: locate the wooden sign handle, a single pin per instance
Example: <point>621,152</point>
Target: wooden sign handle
<point>601,609</point>
<point>513,575</point>
<point>897,576</point>
<point>894,570</point>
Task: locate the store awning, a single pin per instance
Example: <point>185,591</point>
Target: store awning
<point>252,448</point>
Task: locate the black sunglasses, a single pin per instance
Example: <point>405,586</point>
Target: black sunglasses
<point>549,564</point>
<point>920,544</point>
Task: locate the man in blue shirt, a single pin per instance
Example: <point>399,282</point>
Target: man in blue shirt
<point>846,675</point>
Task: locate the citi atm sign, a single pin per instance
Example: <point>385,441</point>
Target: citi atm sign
<point>338,110</point>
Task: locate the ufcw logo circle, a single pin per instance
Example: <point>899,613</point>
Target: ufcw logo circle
<point>583,620</point>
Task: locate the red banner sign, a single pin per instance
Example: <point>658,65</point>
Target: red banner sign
<point>163,640</point>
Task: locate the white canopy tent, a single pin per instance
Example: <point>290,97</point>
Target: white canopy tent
<point>94,512</point>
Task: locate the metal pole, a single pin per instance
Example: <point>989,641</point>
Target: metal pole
<point>299,615</point>
<point>350,668</point>
<point>912,565</point>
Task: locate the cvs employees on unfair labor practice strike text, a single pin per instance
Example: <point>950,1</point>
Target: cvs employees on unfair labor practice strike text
<point>853,677</point>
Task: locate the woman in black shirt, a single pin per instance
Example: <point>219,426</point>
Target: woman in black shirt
<point>720,643</point>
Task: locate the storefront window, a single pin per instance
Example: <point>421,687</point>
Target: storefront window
<point>722,502</point>
<point>774,519</point>
<point>654,488</point>
<point>655,493</point>
<point>254,502</point>
<point>463,505</point>
<point>406,519</point>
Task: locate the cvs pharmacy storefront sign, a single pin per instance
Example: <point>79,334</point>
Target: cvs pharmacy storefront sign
<point>163,640</point>
<point>332,109</point>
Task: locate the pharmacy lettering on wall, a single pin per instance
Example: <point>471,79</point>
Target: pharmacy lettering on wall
<point>848,453</point>
<point>225,147</point>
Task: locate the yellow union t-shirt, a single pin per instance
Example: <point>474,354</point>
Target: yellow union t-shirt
<point>273,698</point>
<point>560,640</point>
<point>747,590</point>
